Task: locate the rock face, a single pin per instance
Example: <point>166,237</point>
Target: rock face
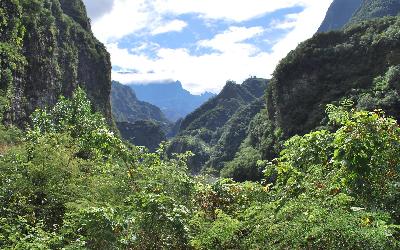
<point>376,8</point>
<point>359,63</point>
<point>142,133</point>
<point>127,108</point>
<point>339,14</point>
<point>344,12</point>
<point>215,131</point>
<point>48,51</point>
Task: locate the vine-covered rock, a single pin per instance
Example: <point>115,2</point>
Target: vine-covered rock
<point>46,50</point>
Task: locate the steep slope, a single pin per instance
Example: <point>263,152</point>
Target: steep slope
<point>360,63</point>
<point>345,12</point>
<point>142,133</point>
<point>46,50</point>
<point>215,131</point>
<point>127,108</point>
<point>218,110</point>
<point>339,14</point>
<point>376,8</point>
<point>171,98</point>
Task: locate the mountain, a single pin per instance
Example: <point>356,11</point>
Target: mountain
<point>47,49</point>
<point>218,110</point>
<point>145,133</point>
<point>345,12</point>
<point>339,14</point>
<point>127,108</point>
<point>359,66</point>
<point>140,123</point>
<point>375,9</point>
<point>216,129</point>
<point>171,97</point>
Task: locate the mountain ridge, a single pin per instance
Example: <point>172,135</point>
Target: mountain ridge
<point>170,97</point>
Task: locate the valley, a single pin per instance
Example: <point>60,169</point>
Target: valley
<point>306,159</point>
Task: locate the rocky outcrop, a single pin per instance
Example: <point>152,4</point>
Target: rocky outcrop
<point>55,51</point>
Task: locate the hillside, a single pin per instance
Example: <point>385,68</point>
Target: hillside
<point>345,12</point>
<point>218,110</point>
<point>376,8</point>
<point>339,14</point>
<point>216,129</point>
<point>46,50</point>
<point>127,108</point>
<point>358,66</point>
<point>307,160</point>
<point>145,133</point>
<point>174,101</point>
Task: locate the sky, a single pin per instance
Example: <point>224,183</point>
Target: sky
<point>202,43</point>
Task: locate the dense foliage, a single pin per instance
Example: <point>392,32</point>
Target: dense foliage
<point>70,183</point>
<point>142,133</point>
<point>220,124</point>
<point>376,8</point>
<point>127,108</point>
<point>47,50</point>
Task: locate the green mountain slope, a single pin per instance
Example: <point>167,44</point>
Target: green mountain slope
<point>217,111</point>
<point>360,63</point>
<point>215,131</point>
<point>46,50</point>
<point>376,8</point>
<point>140,123</point>
<point>339,14</point>
<point>127,108</point>
<point>345,12</point>
<point>142,133</point>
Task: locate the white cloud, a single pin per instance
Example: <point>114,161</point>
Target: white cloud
<point>235,10</point>
<point>126,17</point>
<point>232,40</point>
<point>234,57</point>
<point>175,25</point>
<point>97,8</point>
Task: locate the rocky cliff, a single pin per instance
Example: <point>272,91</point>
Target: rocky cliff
<point>47,49</point>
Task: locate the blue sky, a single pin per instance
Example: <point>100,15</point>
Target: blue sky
<point>202,43</point>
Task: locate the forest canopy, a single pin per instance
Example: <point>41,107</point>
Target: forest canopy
<point>69,182</point>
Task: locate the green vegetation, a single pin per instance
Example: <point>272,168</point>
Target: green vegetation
<point>47,50</point>
<point>339,14</point>
<point>318,144</point>
<point>220,125</point>
<point>127,108</point>
<point>69,182</point>
<point>359,63</point>
<point>142,133</point>
<point>376,8</point>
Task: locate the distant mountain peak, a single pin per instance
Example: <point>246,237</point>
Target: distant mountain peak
<point>126,107</point>
<point>344,12</point>
<point>175,101</point>
<point>339,14</point>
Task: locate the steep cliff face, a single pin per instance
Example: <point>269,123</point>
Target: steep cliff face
<point>127,108</point>
<point>339,14</point>
<point>359,63</point>
<point>376,8</point>
<point>217,111</point>
<point>142,133</point>
<point>345,12</point>
<point>48,50</point>
<point>215,131</point>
